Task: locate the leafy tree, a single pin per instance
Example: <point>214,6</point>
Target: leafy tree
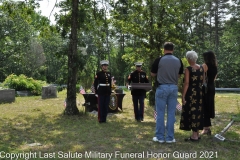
<point>22,52</point>
<point>55,49</point>
<point>149,24</point>
<point>228,58</point>
<point>17,37</point>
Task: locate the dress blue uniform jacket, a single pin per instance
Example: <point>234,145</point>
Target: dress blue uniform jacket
<point>103,78</point>
<point>138,77</point>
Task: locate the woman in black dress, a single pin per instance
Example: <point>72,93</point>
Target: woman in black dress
<point>191,116</point>
<point>210,67</point>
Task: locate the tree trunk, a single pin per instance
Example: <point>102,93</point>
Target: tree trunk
<point>71,108</point>
<point>151,41</point>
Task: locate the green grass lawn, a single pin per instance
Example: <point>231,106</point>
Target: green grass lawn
<point>32,120</point>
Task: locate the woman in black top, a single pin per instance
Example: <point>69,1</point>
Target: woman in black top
<point>210,67</point>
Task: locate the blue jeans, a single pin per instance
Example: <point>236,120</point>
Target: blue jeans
<point>166,96</point>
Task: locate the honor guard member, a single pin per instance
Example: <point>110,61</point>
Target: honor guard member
<point>102,85</point>
<point>138,95</point>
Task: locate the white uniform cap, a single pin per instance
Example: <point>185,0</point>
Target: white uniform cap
<point>138,63</point>
<point>104,62</point>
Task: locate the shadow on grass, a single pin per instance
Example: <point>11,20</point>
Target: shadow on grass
<point>83,133</point>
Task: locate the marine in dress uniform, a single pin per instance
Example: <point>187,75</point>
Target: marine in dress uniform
<point>102,85</point>
<point>138,95</point>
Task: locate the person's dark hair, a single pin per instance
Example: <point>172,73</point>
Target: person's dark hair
<point>168,46</point>
<point>210,58</point>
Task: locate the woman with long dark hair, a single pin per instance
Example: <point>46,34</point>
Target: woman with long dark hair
<point>210,68</point>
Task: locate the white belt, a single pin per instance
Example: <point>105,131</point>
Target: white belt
<point>104,84</point>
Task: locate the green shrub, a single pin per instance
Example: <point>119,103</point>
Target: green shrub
<point>77,88</point>
<point>125,89</point>
<point>59,88</point>
<point>23,83</point>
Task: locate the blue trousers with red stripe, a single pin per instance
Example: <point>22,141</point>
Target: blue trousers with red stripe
<point>138,104</point>
<point>103,104</point>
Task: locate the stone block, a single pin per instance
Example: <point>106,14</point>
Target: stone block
<point>49,92</point>
<point>23,93</point>
<point>7,95</point>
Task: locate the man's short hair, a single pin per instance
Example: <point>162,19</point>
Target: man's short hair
<point>168,46</point>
